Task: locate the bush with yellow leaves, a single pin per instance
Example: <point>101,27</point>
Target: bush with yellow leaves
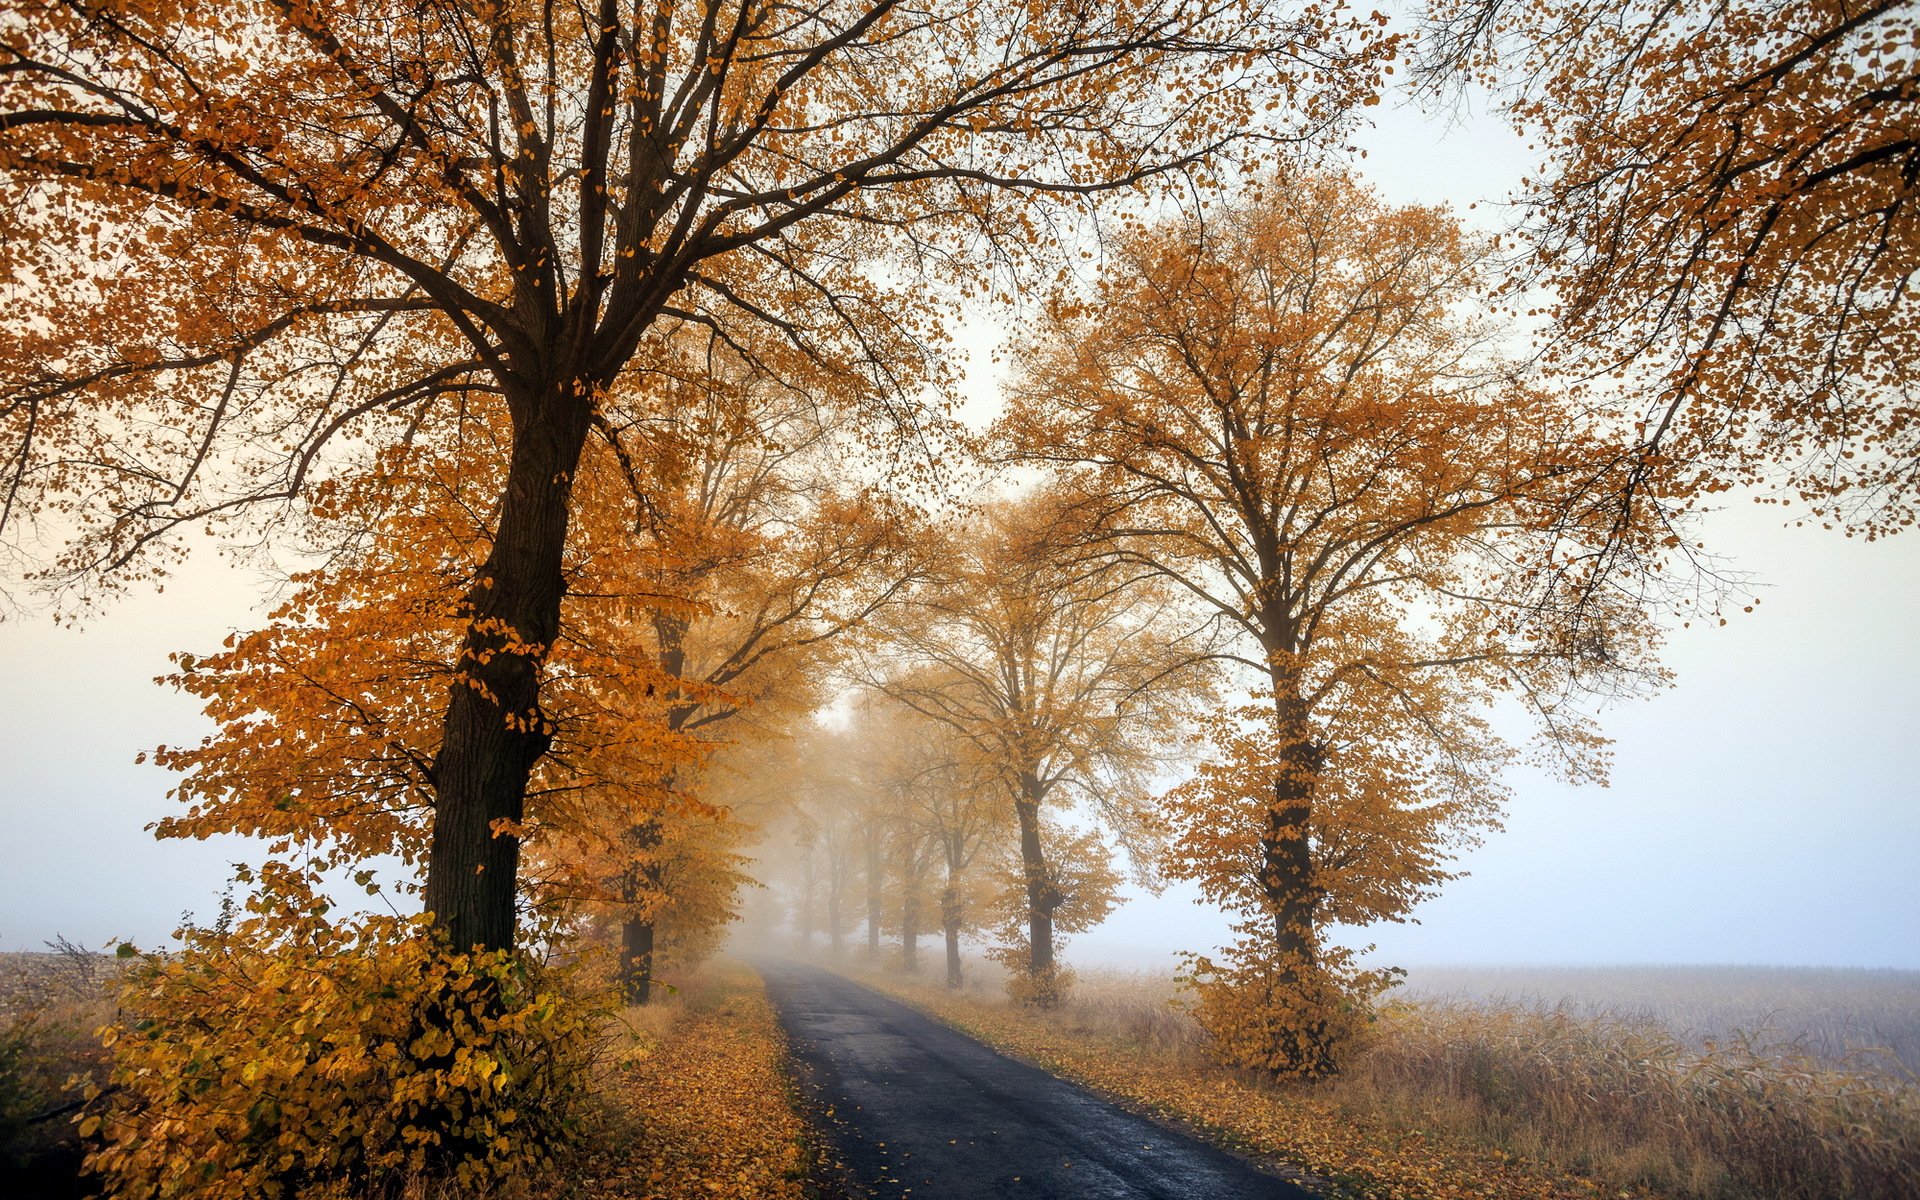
<point>290,1058</point>
<point>1269,1012</point>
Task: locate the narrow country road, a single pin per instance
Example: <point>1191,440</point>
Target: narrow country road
<point>922,1112</point>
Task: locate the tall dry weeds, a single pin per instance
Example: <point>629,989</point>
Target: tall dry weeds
<point>1629,1102</point>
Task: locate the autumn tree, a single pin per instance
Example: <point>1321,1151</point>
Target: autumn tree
<point>245,241</point>
<point>1728,216</point>
<point>1057,672</point>
<point>1085,891</point>
<point>1284,408</point>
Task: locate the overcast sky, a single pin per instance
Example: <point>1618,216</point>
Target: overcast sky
<point>1765,810</point>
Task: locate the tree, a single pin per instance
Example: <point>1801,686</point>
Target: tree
<point>1058,673</point>
<point>1085,889</point>
<point>243,241</point>
<point>1283,408</point>
<point>1729,216</point>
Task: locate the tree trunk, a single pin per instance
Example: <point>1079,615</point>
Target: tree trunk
<point>1291,892</point>
<point>874,912</point>
<point>834,924</point>
<point>950,922</point>
<point>910,929</point>
<point>636,961</point>
<point>804,934</point>
<point>636,932</point>
<point>1286,842</point>
<point>493,732</point>
<point>1042,896</point>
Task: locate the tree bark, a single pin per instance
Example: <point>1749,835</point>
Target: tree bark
<point>1286,843</point>
<point>636,961</point>
<point>1287,878</point>
<point>494,732</point>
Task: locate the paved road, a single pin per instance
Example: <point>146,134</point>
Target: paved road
<point>920,1111</point>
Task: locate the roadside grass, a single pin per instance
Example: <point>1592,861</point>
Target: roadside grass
<point>1451,1099</point>
<point>698,1102</point>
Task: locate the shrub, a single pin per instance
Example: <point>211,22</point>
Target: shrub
<point>1267,1012</point>
<point>291,1058</point>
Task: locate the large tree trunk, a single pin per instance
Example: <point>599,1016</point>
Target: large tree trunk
<point>1291,891</point>
<point>494,732</point>
<point>636,961</point>
<point>1286,841</point>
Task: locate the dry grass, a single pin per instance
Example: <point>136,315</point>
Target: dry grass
<point>1452,1098</point>
<point>1629,1103</point>
<point>50,1005</point>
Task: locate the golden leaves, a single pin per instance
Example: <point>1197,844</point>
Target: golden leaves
<point>706,1083</point>
<point>295,1052</point>
<point>1286,404</point>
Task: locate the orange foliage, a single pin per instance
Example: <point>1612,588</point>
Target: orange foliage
<point>242,241</point>
<point>1729,213</point>
<point>1059,675</point>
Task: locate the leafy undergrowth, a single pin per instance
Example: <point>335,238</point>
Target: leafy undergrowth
<point>700,1104</point>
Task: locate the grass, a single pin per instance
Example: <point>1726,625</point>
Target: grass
<point>1452,1098</point>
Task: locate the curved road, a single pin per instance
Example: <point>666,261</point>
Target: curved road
<point>920,1111</point>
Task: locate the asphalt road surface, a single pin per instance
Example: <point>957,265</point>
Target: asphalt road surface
<point>920,1111</point>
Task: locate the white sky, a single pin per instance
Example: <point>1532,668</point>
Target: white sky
<point>1763,811</point>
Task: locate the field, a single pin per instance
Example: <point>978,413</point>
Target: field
<point>1867,1018</point>
<point>1680,1083</point>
